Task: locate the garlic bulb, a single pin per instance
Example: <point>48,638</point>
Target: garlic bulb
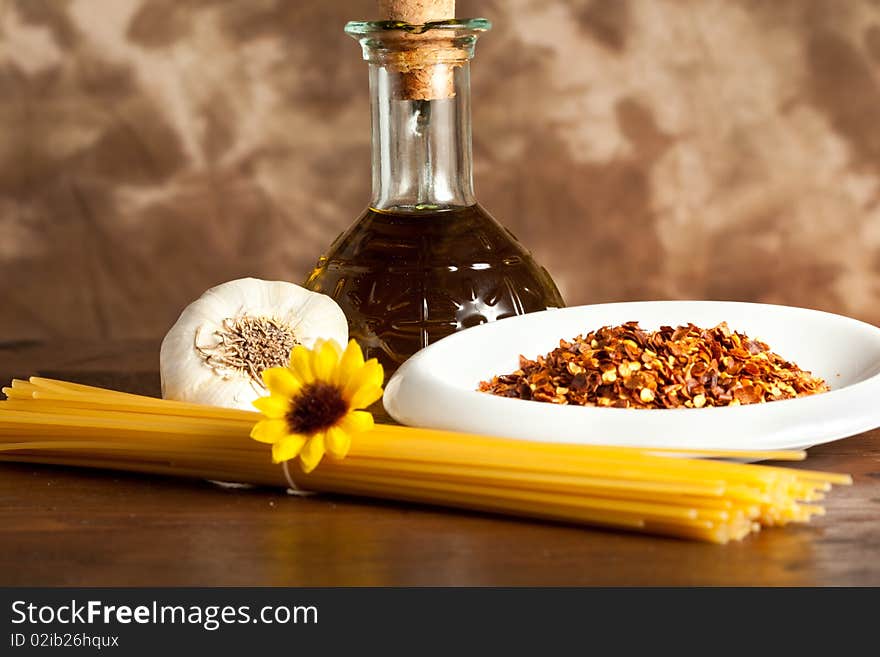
<point>218,348</point>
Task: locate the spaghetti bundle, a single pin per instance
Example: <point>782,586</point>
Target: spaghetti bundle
<point>656,491</point>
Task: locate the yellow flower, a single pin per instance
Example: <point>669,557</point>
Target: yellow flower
<point>312,405</point>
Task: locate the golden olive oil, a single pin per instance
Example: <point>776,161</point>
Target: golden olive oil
<point>407,279</point>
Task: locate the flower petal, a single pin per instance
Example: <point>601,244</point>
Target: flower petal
<point>337,442</point>
<point>351,362</point>
<point>300,358</point>
<point>269,431</point>
<point>370,374</point>
<point>281,381</point>
<point>325,356</point>
<point>357,422</point>
<point>312,452</point>
<point>288,447</point>
<point>273,406</point>
<point>365,396</point>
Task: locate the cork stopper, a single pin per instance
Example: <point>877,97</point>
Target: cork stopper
<point>417,12</point>
<point>426,65</point>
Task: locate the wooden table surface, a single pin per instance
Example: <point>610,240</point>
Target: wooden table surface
<point>61,526</point>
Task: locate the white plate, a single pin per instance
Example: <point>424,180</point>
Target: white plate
<point>436,388</point>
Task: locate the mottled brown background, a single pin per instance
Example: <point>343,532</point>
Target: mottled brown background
<point>149,149</point>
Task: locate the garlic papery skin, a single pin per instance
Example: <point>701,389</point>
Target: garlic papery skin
<point>219,346</point>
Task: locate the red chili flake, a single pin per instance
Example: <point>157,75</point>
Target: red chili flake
<point>627,367</point>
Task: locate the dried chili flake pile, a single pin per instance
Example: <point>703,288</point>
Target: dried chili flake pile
<point>627,367</point>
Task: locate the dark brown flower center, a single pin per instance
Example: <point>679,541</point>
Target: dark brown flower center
<point>317,407</point>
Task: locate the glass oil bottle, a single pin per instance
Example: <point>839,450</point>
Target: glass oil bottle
<point>425,259</point>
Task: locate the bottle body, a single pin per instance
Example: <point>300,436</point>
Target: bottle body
<point>407,279</point>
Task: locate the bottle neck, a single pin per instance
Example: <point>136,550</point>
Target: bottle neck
<point>421,148</point>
